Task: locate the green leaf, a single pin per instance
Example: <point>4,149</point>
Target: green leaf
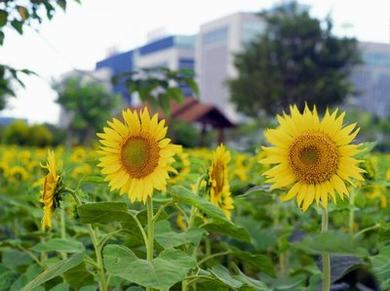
<point>55,270</point>
<point>103,212</point>
<point>381,265</point>
<point>250,282</point>
<point>228,228</point>
<point>193,85</point>
<point>3,17</point>
<point>259,262</point>
<point>170,267</point>
<point>78,277</point>
<point>60,245</point>
<point>183,195</point>
<point>222,274</point>
<point>17,25</point>
<point>168,238</point>
<point>1,38</point>
<point>336,243</point>
<point>6,279</point>
<point>366,148</point>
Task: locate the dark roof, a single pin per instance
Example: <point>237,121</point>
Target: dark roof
<point>192,110</point>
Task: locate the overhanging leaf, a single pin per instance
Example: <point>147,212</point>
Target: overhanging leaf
<point>59,245</point>
<point>55,270</point>
<point>170,267</point>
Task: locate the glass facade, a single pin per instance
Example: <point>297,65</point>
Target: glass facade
<point>217,36</point>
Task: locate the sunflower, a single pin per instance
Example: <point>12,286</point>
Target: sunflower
<point>313,158</point>
<point>181,165</point>
<point>218,181</point>
<point>18,173</point>
<point>50,191</point>
<point>135,155</point>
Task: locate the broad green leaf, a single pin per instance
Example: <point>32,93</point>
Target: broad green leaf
<point>18,25</point>
<point>60,245</point>
<point>13,258</point>
<point>224,276</point>
<point>259,262</point>
<point>381,265</point>
<point>3,17</point>
<point>335,243</point>
<point>170,267</point>
<point>60,287</point>
<point>183,195</point>
<point>55,270</point>
<point>250,282</point>
<point>228,228</point>
<point>168,238</point>
<point>6,279</point>
<point>32,271</point>
<point>103,212</point>
<point>78,277</point>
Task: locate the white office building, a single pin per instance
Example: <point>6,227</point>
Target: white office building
<point>217,42</point>
<point>372,79</point>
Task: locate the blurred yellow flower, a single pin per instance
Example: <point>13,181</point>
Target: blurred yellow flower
<point>18,173</point>
<point>219,182</point>
<point>50,190</point>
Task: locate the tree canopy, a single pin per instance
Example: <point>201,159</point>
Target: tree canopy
<point>16,15</point>
<point>87,105</point>
<point>297,59</point>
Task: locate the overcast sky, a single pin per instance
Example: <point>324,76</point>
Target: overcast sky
<point>83,35</point>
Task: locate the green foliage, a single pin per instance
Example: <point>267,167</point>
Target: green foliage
<point>9,76</point>
<point>17,133</point>
<point>55,270</point>
<point>184,134</point>
<point>158,86</point>
<point>20,133</point>
<point>170,267</point>
<point>17,14</point>
<point>296,59</point>
<point>88,105</point>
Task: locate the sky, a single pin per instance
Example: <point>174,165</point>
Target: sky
<point>83,35</point>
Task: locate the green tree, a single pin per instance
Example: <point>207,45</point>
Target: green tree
<point>17,133</point>
<point>16,15</point>
<point>296,59</point>
<point>87,105</point>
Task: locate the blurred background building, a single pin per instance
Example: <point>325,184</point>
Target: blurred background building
<point>210,54</point>
<point>372,79</point>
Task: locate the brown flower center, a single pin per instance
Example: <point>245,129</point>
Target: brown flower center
<point>313,158</point>
<point>140,156</point>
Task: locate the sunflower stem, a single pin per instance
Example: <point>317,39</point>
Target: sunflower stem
<point>150,242</point>
<point>351,221</point>
<point>99,259</point>
<point>63,229</point>
<point>325,256</point>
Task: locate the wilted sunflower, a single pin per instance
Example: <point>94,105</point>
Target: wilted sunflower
<point>219,181</point>
<point>50,190</point>
<point>135,155</point>
<point>313,158</point>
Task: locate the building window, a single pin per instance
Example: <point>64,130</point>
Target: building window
<point>215,36</point>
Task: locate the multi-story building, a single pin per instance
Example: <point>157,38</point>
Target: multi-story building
<point>217,42</point>
<point>211,54</point>
<point>372,79</point>
<point>173,52</point>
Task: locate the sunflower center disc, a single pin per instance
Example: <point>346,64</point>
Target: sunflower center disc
<point>313,158</point>
<point>140,156</point>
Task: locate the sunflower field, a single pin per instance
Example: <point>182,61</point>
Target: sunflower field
<point>308,211</point>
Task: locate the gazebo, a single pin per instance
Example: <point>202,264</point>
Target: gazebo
<point>194,111</point>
